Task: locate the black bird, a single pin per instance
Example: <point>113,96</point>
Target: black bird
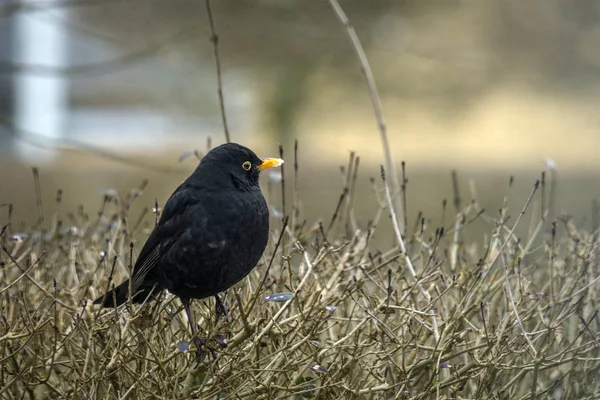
<point>211,234</point>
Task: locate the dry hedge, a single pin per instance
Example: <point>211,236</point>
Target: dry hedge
<point>497,318</point>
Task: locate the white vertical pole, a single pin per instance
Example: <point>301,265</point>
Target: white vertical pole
<point>40,99</point>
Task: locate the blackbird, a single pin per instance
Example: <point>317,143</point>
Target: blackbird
<point>211,234</point>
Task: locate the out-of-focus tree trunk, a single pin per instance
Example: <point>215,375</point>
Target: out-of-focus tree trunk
<point>40,100</point>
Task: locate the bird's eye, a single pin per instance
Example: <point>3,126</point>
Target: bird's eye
<point>247,165</point>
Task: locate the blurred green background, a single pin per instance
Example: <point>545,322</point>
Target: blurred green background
<point>103,94</point>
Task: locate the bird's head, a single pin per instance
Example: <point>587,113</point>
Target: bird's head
<point>237,162</point>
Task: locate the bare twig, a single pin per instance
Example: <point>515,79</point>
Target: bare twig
<point>366,69</point>
<point>214,39</point>
<point>396,226</point>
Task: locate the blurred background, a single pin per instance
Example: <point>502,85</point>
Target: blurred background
<point>103,94</point>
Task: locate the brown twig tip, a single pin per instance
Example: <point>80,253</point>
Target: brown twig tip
<point>296,154</point>
<point>283,199</point>
<point>456,191</point>
<point>537,184</point>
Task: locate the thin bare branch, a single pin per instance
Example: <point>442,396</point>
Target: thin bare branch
<point>214,39</point>
<point>366,70</point>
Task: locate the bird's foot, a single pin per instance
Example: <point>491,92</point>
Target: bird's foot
<point>202,347</point>
<point>200,350</point>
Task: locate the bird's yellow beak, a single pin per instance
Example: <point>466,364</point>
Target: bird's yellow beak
<point>270,163</point>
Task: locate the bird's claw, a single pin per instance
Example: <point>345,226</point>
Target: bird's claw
<point>201,345</point>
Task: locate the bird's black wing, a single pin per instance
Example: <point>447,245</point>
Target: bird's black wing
<point>163,237</point>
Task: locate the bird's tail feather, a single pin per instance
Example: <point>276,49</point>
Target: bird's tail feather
<point>120,294</point>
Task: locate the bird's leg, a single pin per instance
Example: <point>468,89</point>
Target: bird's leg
<point>197,341</point>
<point>221,309</point>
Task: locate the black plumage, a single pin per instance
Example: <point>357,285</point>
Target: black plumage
<point>211,234</point>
